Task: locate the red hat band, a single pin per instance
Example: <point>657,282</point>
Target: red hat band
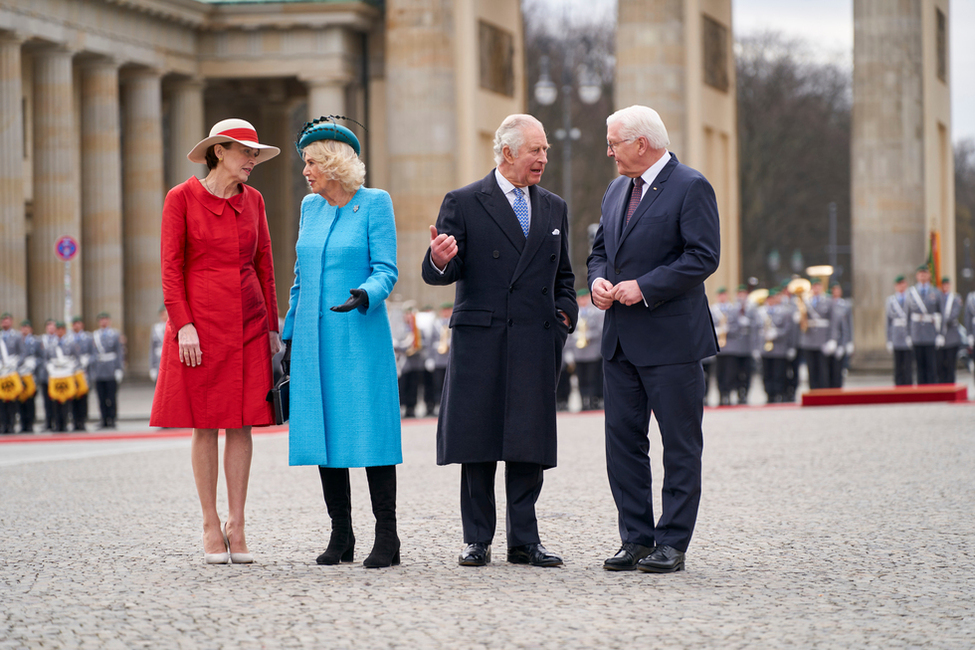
<point>248,135</point>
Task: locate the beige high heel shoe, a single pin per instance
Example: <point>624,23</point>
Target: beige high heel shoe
<point>236,558</point>
<point>215,558</point>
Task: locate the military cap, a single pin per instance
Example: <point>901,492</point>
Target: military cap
<point>899,279</point>
<point>923,267</point>
<point>742,287</point>
<point>944,279</point>
<point>25,322</point>
<point>59,323</point>
<point>774,291</point>
<point>722,289</point>
<point>6,314</point>
<point>446,305</point>
<point>77,319</point>
<point>816,281</point>
<point>582,292</point>
<point>102,315</point>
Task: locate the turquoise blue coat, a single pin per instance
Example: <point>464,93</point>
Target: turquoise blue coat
<point>344,394</point>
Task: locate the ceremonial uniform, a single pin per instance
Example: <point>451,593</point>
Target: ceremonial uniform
<point>734,363</point>
<point>11,349</point>
<point>780,333</point>
<point>946,356</point>
<point>438,351</point>
<point>843,327</point>
<point>60,364</point>
<point>106,372</point>
<point>924,324</point>
<point>80,347</point>
<point>155,349</point>
<point>584,343</point>
<point>29,371</point>
<point>818,342</point>
<point>899,339</point>
<point>970,318</point>
<point>46,351</point>
<point>410,363</point>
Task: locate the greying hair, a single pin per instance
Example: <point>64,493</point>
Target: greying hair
<point>640,121</point>
<point>511,134</point>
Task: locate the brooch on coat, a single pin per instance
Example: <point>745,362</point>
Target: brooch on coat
<point>355,208</point>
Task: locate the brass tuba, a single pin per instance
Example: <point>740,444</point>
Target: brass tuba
<point>583,329</point>
<point>722,328</point>
<point>801,288</point>
<point>443,346</point>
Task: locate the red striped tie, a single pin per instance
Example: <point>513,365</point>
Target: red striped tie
<point>636,193</point>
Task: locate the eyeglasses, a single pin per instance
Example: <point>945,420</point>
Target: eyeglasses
<point>612,145</point>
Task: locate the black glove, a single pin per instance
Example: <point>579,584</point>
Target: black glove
<point>359,299</point>
<point>286,359</point>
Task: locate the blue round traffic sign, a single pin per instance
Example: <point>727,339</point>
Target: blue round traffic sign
<point>66,248</point>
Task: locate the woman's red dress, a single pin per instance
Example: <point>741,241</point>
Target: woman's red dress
<point>217,273</point>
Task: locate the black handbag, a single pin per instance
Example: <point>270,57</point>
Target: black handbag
<point>279,398</point>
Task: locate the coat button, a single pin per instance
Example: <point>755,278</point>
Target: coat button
<point>511,289</point>
<point>544,290</point>
<point>546,324</point>
<point>618,271</point>
<point>510,322</point>
<point>321,314</point>
<point>553,257</point>
<point>496,254</point>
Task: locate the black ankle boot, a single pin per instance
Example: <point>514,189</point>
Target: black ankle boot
<point>382,489</point>
<point>338,500</point>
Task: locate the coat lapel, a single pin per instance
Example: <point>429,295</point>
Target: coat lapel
<point>537,230</point>
<point>654,191</point>
<point>498,208</point>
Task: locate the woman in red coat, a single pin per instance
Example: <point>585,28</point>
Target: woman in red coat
<point>218,286</point>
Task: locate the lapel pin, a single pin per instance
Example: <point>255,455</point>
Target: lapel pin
<point>355,208</point>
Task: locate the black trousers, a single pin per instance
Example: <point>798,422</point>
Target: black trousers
<point>817,364</point>
<point>79,412</point>
<point>27,415</point>
<point>433,391</point>
<point>734,373</point>
<point>835,371</point>
<point>675,395</point>
<point>563,389</point>
<point>947,362</point>
<point>48,406</point>
<point>927,372</point>
<point>590,376</point>
<point>59,416</point>
<point>774,376</point>
<point>903,367</point>
<point>8,416</point>
<point>478,508</point>
<point>107,403</point>
<point>409,386</point>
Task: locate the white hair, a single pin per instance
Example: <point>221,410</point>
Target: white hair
<point>511,134</point>
<point>636,121</point>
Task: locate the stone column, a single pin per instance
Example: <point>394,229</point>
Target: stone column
<point>56,185</point>
<point>889,194</point>
<point>326,96</point>
<point>143,194</point>
<point>281,180</point>
<point>101,189</point>
<point>13,260</point>
<point>187,127</point>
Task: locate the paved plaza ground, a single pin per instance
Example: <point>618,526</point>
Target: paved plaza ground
<point>838,527</point>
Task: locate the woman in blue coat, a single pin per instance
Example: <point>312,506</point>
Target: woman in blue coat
<point>344,409</point>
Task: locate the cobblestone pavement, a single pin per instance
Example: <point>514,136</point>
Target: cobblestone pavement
<point>830,528</point>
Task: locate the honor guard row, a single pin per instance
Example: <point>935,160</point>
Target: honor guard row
<point>62,366</point>
<point>926,327</point>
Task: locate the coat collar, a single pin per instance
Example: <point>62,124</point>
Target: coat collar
<point>213,203</point>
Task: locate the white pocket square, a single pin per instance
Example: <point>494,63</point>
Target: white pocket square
<point>555,232</point>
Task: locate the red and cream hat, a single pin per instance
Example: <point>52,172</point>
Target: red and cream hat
<point>231,130</point>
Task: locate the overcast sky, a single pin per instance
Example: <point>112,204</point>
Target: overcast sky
<point>827,25</point>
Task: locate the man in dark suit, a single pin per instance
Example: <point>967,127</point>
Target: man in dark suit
<point>504,242</point>
<point>658,239</point>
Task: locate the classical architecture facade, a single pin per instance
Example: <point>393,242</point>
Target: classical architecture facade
<point>903,165</point>
<point>100,100</point>
<point>677,57</point>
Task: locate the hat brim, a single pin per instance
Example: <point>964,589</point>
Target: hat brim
<point>199,152</point>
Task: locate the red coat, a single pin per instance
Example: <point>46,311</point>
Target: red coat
<point>217,273</point>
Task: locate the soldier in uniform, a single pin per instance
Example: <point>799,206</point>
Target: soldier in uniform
<point>924,323</point>
<point>818,342</point>
<point>106,369</point>
<point>28,374</point>
<point>970,323</point>
<point>81,347</point>
<point>780,336</point>
<point>411,370</point>
<point>843,326</point>
<point>585,342</point>
<point>59,364</point>
<point>790,302</point>
<point>156,343</point>
<point>946,356</point>
<point>741,331</point>
<point>48,342</point>
<point>898,334</point>
<point>438,351</point>
<point>11,351</point>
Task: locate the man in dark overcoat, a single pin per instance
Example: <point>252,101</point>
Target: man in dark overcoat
<point>504,242</point>
<point>658,240</point>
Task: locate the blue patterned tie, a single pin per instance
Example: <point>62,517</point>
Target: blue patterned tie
<point>521,210</point>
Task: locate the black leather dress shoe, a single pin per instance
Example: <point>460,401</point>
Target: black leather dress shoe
<point>627,557</point>
<point>533,554</point>
<point>476,554</point>
<point>664,559</point>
